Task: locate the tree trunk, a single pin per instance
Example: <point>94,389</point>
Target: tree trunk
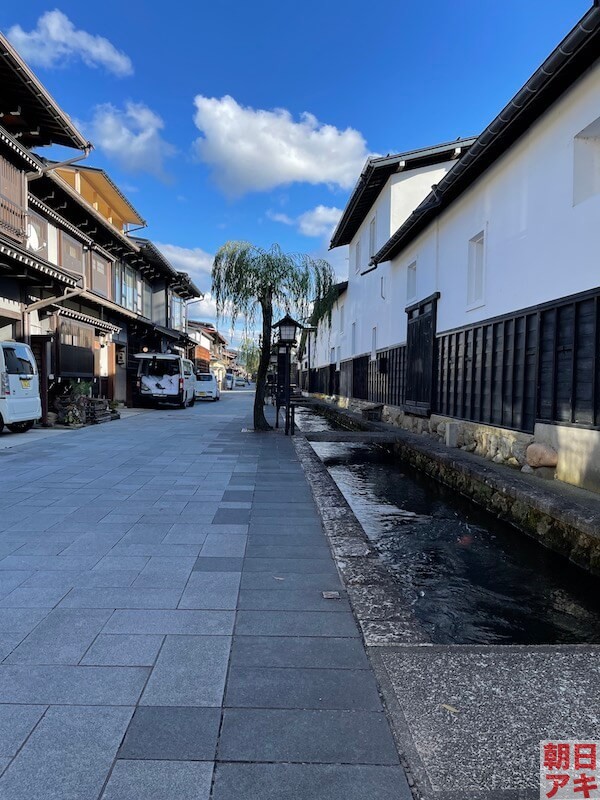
<point>260,421</point>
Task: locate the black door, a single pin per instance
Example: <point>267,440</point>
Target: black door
<point>421,356</point>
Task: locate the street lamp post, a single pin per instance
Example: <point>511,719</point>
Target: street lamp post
<point>288,329</point>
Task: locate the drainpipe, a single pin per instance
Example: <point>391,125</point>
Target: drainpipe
<point>32,176</point>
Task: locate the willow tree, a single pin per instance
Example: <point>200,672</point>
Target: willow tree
<point>247,280</point>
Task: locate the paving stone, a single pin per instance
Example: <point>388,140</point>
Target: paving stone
<point>295,623</point>
<point>237,495</point>
<point>218,564</point>
<point>309,781</point>
<point>218,545</point>
<point>286,581</point>
<point>170,550</point>
<point>21,620</point>
<point>8,642</point>
<point>122,598</point>
<point>311,540</point>
<point>179,621</point>
<point>67,685</point>
<point>159,780</point>
<point>292,600</point>
<point>218,590</point>
<point>172,734</point>
<point>325,737</point>
<point>287,551</point>
<point>288,651</point>
<point>231,516</point>
<point>61,638</point>
<point>68,580</point>
<point>27,597</point>
<point>10,580</point>
<point>277,565</point>
<point>76,563</point>
<point>68,756</point>
<point>121,562</point>
<point>190,671</point>
<point>16,723</point>
<point>124,650</point>
<point>262,687</point>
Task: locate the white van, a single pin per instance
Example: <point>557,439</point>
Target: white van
<point>207,387</point>
<point>20,403</point>
<point>165,378</point>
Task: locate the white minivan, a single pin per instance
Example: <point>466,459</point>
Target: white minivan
<point>20,403</point>
<point>165,378</point>
<point>207,387</point>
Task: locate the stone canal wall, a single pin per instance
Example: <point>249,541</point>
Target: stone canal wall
<point>563,518</point>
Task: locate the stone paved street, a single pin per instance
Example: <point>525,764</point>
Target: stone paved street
<point>162,625</point>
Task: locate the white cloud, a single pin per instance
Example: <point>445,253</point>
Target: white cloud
<point>131,136</point>
<point>319,221</point>
<point>193,260</point>
<point>277,216</point>
<point>56,41</point>
<point>256,149</point>
<point>205,310</point>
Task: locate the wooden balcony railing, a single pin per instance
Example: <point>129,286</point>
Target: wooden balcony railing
<point>12,219</point>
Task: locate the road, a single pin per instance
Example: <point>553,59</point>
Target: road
<point>163,632</point>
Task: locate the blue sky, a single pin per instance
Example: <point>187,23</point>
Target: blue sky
<point>239,120</point>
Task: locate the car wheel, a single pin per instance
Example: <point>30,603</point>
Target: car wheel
<point>20,427</point>
<point>193,401</point>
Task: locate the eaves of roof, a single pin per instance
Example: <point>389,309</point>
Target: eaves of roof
<point>39,119</point>
<point>375,175</point>
<point>573,56</point>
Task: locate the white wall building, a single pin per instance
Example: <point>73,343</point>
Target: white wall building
<point>473,288</point>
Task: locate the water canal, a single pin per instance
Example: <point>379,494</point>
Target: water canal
<point>468,577</point>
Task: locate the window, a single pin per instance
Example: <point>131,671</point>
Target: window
<point>12,213</point>
<point>411,281</point>
<point>372,237</point>
<point>382,287</point>
<point>341,319</point>
<point>176,312</point>
<point>125,286</point>
<point>332,355</point>
<point>357,263</point>
<point>100,275</point>
<point>475,276</point>
<point>147,300</point>
<point>37,235</point>
<point>18,359</point>
<point>353,339</point>
<point>76,334</point>
<point>339,357</point>
<point>374,344</point>
<point>586,164</point>
<point>71,253</point>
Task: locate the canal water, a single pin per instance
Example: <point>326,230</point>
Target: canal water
<point>468,577</point>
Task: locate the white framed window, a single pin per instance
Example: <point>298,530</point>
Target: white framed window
<point>476,271</point>
<point>373,236</point>
<point>411,281</point>
<point>341,319</point>
<point>332,355</point>
<point>353,339</point>
<point>357,257</point>
<point>339,357</point>
<point>374,344</point>
<point>382,287</point>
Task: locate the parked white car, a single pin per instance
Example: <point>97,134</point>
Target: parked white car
<point>20,403</point>
<point>165,378</point>
<point>207,387</point>
<point>229,380</point>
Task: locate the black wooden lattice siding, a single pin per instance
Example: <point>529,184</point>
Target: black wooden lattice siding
<point>541,364</point>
